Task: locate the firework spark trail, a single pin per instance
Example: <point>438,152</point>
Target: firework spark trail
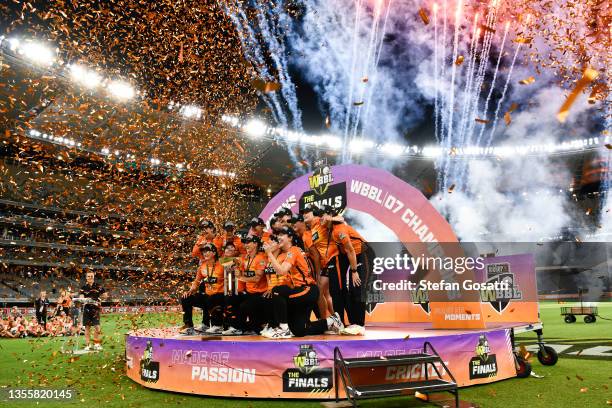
<point>377,55</point>
<point>503,95</point>
<point>442,161</point>
<point>436,79</point>
<point>277,53</point>
<point>253,53</point>
<point>485,108</point>
<point>480,76</point>
<point>349,112</point>
<point>470,75</point>
<point>451,102</point>
<point>367,64</point>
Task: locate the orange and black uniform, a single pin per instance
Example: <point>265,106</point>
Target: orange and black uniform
<point>211,301</point>
<point>202,240</point>
<point>321,239</point>
<point>251,314</point>
<point>294,302</point>
<point>63,305</point>
<point>354,296</point>
<point>221,240</point>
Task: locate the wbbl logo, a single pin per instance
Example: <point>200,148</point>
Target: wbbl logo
<point>321,179</point>
<point>499,299</point>
<point>484,365</point>
<point>149,369</point>
<point>307,376</point>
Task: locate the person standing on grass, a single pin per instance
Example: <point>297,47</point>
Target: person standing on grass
<point>41,304</point>
<point>91,312</point>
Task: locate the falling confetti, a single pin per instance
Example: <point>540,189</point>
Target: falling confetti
<point>424,16</point>
<point>588,76</point>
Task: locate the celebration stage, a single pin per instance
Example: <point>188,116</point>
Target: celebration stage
<point>256,367</point>
<point>472,335</point>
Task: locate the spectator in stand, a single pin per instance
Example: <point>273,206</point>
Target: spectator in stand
<point>41,303</point>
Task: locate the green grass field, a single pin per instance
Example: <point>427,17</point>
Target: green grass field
<point>99,379</point>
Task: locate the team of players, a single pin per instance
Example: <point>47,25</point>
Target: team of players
<point>270,282</point>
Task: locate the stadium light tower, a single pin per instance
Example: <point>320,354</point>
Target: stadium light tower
<point>191,111</point>
<point>36,52</point>
<point>121,90</point>
<point>84,76</point>
<point>255,128</point>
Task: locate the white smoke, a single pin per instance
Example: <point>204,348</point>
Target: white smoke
<point>511,198</point>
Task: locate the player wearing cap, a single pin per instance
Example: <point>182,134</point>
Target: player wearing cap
<point>294,302</point>
<point>250,268</point>
<point>275,225</point>
<point>211,274</point>
<point>207,236</point>
<point>284,217</point>
<point>258,229</point>
<point>352,275</point>
<point>229,235</point>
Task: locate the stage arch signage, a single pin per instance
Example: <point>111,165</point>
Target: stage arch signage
<point>387,198</point>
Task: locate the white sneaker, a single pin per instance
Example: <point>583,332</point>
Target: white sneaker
<point>232,331</point>
<point>334,323</point>
<point>268,332</point>
<point>214,330</point>
<point>265,330</point>
<point>98,347</point>
<point>204,327</point>
<point>281,334</point>
<point>87,348</point>
<point>354,330</point>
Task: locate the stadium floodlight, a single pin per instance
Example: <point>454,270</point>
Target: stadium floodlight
<point>360,145</point>
<point>334,142</point>
<point>191,111</point>
<point>13,44</point>
<point>36,52</point>
<point>255,128</point>
<point>432,151</point>
<point>121,90</point>
<point>84,76</point>
<point>392,149</point>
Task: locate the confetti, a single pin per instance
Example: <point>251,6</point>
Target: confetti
<point>478,120</point>
<point>507,118</point>
<point>588,76</point>
<point>528,81</point>
<point>424,16</point>
<point>459,60</point>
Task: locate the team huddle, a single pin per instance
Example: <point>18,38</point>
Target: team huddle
<point>270,282</point>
